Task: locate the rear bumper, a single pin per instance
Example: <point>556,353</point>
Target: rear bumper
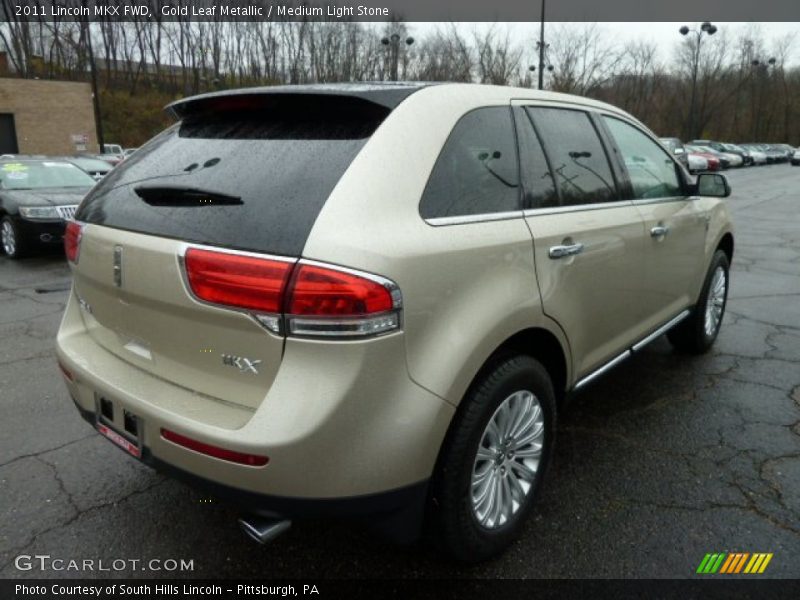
<point>337,423</point>
<point>397,514</point>
<point>283,506</point>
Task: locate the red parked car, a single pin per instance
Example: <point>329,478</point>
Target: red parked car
<point>712,160</point>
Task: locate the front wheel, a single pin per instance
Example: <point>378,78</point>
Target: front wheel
<point>494,459</point>
<point>697,333</point>
<point>12,238</point>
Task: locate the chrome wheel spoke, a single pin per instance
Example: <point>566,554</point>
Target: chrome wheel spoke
<point>532,451</point>
<point>524,471</point>
<point>535,433</point>
<point>486,453</point>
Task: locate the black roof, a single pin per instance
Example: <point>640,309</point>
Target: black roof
<point>385,94</point>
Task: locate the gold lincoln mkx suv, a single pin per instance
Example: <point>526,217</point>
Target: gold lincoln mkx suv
<point>371,300</point>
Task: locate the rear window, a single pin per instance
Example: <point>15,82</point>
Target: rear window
<point>254,179</point>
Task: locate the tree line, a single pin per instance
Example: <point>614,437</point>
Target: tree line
<point>741,94</point>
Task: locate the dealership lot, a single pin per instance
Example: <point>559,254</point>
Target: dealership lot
<point>662,461</point>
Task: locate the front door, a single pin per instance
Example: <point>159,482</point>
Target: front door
<point>675,225</point>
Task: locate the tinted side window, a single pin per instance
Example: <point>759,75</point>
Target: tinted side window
<point>477,169</point>
<point>653,173</point>
<point>577,157</point>
<point>537,180</point>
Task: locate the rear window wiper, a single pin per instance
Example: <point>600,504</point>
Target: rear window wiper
<point>184,197</point>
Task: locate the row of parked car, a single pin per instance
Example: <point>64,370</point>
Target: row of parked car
<point>710,155</point>
<point>38,194</point>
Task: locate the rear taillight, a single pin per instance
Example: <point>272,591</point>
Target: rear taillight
<point>321,291</point>
<point>238,280</point>
<point>72,240</point>
<point>302,298</point>
<point>252,460</point>
<point>331,302</point>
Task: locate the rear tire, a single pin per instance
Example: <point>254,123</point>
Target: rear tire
<point>697,333</point>
<point>493,461</point>
<point>13,239</point>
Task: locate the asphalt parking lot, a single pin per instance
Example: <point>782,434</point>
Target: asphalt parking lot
<point>662,461</point>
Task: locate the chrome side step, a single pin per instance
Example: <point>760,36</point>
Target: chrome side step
<point>264,530</point>
<point>604,369</point>
<point>635,348</point>
<point>660,331</point>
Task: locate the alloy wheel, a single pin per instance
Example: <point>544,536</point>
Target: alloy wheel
<point>507,461</point>
<point>715,303</point>
<point>9,240</point>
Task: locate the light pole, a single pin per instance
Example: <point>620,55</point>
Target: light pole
<point>542,47</point>
<point>393,42</point>
<point>549,68</point>
<point>762,68</point>
<point>708,29</point>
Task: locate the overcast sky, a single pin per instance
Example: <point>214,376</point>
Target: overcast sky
<point>664,34</point>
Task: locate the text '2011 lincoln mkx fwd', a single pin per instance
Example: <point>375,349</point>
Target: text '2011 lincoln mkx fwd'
<point>371,300</point>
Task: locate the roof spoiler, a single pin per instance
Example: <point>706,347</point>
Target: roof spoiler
<point>382,97</point>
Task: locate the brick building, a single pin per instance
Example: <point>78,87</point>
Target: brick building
<point>46,117</point>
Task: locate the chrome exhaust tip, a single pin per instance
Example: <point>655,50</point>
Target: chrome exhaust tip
<point>264,530</point>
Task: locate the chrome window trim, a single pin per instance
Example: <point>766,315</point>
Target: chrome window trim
<point>554,210</point>
<point>644,201</point>
<point>478,218</point>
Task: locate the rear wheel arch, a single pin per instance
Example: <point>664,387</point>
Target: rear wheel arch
<point>545,347</point>
<point>536,342</point>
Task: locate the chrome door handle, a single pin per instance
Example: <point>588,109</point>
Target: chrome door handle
<point>659,231</point>
<point>562,251</point>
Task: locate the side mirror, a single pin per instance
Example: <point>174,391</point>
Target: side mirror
<point>712,184</point>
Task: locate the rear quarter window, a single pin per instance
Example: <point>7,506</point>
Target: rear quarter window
<point>477,171</point>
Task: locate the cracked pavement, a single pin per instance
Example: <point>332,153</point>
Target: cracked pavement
<point>666,458</point>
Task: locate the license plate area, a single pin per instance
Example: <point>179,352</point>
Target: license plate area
<point>119,425</point>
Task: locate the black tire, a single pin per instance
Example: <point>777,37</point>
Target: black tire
<point>454,523</point>
<point>21,246</point>
<point>691,335</point>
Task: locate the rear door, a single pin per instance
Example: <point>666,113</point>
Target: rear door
<point>588,242</point>
<point>675,224</point>
<point>242,181</point>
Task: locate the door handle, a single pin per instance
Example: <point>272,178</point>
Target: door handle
<point>659,231</point>
<point>562,251</point>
